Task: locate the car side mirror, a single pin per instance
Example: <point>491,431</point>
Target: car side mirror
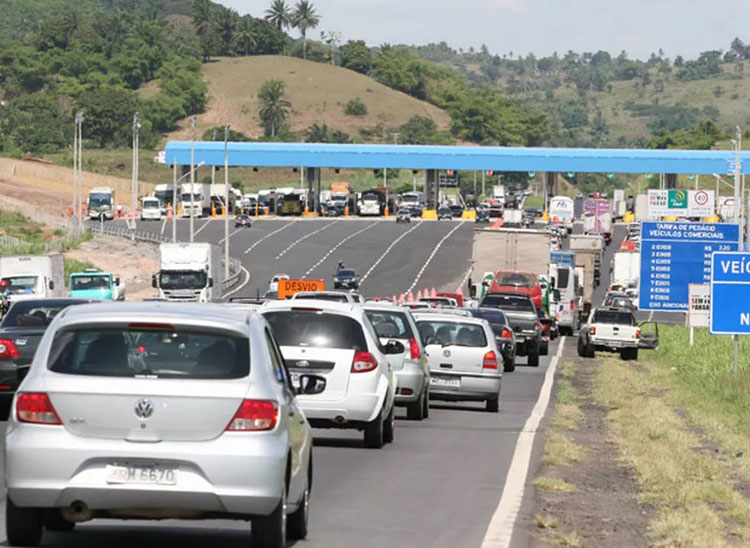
<point>117,281</point>
<point>394,347</point>
<point>153,281</point>
<point>309,385</point>
<point>51,284</point>
<point>210,282</point>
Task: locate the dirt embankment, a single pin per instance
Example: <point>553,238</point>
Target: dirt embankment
<point>133,262</point>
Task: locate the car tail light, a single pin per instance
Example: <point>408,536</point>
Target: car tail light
<point>149,325</point>
<point>306,309</point>
<point>592,330</point>
<point>572,303</point>
<point>363,362</point>
<point>544,327</point>
<point>254,416</point>
<point>506,334</point>
<point>637,333</point>
<point>8,350</point>
<point>36,408</point>
<point>490,360</point>
<point>414,348</point>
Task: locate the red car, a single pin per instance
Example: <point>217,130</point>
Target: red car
<point>518,281</point>
<point>459,298</point>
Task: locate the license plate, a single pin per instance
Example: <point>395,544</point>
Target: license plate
<point>450,383</point>
<point>520,339</point>
<point>154,475</point>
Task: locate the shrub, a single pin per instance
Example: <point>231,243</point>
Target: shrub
<point>356,107</point>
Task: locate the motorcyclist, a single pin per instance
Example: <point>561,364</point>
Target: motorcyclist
<point>340,266</point>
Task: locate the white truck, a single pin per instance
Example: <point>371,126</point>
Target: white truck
<point>626,268</point>
<point>165,195</point>
<point>150,209</point>
<point>195,199</point>
<point>32,277</point>
<point>369,204</point>
<point>619,205</point>
<point>498,193</point>
<point>189,272</point>
<point>218,194</point>
<point>562,212</point>
<point>612,329</point>
<point>641,208</point>
<point>512,217</point>
<point>101,202</point>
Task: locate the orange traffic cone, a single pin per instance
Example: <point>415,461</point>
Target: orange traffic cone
<point>411,297</point>
<point>426,293</point>
<point>433,293</point>
<point>169,212</point>
<point>419,295</point>
<point>401,299</point>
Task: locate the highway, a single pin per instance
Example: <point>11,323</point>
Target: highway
<point>441,481</point>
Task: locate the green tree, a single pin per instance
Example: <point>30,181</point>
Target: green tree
<point>419,130</point>
<point>202,16</point>
<point>226,20</point>
<point>305,18</point>
<point>108,115</point>
<point>279,15</point>
<point>244,35</point>
<point>355,55</point>
<point>274,107</point>
<point>356,107</point>
<point>268,39</point>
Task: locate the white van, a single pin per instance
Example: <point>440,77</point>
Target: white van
<point>568,284</point>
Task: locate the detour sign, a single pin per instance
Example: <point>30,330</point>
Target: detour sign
<point>287,288</point>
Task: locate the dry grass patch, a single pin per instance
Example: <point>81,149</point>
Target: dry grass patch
<point>554,484</point>
<point>545,522</point>
<point>559,450</point>
<point>571,539</point>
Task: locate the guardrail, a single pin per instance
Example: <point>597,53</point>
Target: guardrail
<point>235,274</point>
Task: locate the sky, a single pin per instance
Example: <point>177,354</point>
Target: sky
<point>541,27</point>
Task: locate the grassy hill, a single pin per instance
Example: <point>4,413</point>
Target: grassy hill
<point>318,92</point>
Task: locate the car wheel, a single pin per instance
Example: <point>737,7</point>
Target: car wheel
<point>534,359</point>
<point>23,526</point>
<point>509,366</point>
<point>493,405</point>
<point>544,349</point>
<point>374,432</point>
<point>270,531</point>
<point>426,402</point>
<point>389,427</point>
<point>54,521</point>
<point>415,410</point>
<point>581,348</point>
<point>297,523</point>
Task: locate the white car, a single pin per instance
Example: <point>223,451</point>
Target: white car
<point>465,362</point>
<point>333,296</point>
<point>274,285</point>
<point>158,411</point>
<point>392,322</point>
<point>150,209</point>
<point>337,341</point>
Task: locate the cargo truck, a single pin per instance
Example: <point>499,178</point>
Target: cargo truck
<point>166,197</point>
<point>512,217</point>
<point>626,268</point>
<point>195,199</point>
<point>588,250</point>
<point>619,205</point>
<point>641,208</point>
<point>189,272</point>
<point>32,277</point>
<point>597,218</point>
<point>561,212</point>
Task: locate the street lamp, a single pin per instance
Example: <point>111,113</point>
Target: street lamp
<point>226,201</point>
<point>134,186</point>
<point>192,177</point>
<point>176,195</point>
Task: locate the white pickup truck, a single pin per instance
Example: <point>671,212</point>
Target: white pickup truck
<point>613,329</point>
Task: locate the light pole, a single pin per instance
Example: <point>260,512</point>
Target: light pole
<point>176,194</point>
<point>213,168</point>
<point>74,215</point>
<point>226,201</point>
<point>134,186</point>
<point>192,177</point>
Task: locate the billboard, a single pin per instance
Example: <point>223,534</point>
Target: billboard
<point>699,304</point>
<point>680,203</point>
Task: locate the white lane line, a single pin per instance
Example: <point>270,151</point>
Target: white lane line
<point>397,240</point>
<point>466,277</point>
<point>201,228</point>
<point>236,289</point>
<point>434,252</point>
<point>500,529</point>
<point>303,238</point>
<point>249,249</point>
<point>338,245</point>
<point>650,316</point>
<point>232,234</point>
<point>163,225</point>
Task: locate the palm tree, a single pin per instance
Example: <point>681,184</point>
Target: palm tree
<point>244,34</point>
<point>278,14</point>
<point>305,18</point>
<point>202,16</point>
<point>225,24</point>
<point>274,108</point>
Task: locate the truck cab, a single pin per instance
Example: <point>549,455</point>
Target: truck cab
<point>189,272</point>
<point>32,277</point>
<point>95,284</point>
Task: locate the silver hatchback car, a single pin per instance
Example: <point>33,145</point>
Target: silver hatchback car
<point>158,410</point>
<point>464,358</point>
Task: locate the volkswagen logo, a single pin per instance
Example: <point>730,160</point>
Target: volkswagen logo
<point>447,353</point>
<point>144,409</point>
<point>302,363</point>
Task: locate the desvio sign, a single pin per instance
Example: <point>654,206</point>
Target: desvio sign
<point>287,288</point>
<point>730,294</point>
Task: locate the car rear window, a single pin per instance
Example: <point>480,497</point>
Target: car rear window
<point>516,279</point>
<point>509,302</point>
<point>390,324</point>
<point>492,316</point>
<point>33,314</point>
<point>149,353</point>
<point>563,277</point>
<point>347,273</point>
<point>323,297</point>
<point>614,317</point>
<point>316,329</point>
<point>452,333</point>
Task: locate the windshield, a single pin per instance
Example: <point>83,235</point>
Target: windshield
<point>452,333</point>
<point>316,329</point>
<point>516,279</point>
<point>188,279</point>
<point>390,324</point>
<point>347,274</point>
<point>79,283</point>
<point>34,313</point>
<point>492,315</point>
<point>410,198</point>
<point>100,200</point>
<point>15,285</point>
<point>614,317</point>
<point>151,204</point>
<point>509,302</point>
<point>119,352</point>
<point>164,195</point>
<point>196,197</point>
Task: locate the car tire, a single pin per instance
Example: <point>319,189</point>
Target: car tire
<point>509,366</point>
<point>415,410</point>
<point>374,432</point>
<point>270,531</point>
<point>296,527</point>
<point>544,349</point>
<point>534,359</point>
<point>389,426</point>
<point>54,521</point>
<point>493,405</point>
<point>23,526</point>
<point>581,348</point>
<point>426,403</point>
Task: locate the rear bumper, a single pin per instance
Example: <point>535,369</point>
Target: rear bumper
<point>411,377</point>
<point>46,467</point>
<point>360,404</point>
<point>613,344</point>
<point>471,387</point>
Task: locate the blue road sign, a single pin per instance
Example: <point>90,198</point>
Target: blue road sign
<point>674,255</point>
<point>730,294</point>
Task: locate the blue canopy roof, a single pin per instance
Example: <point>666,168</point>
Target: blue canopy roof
<point>577,160</point>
